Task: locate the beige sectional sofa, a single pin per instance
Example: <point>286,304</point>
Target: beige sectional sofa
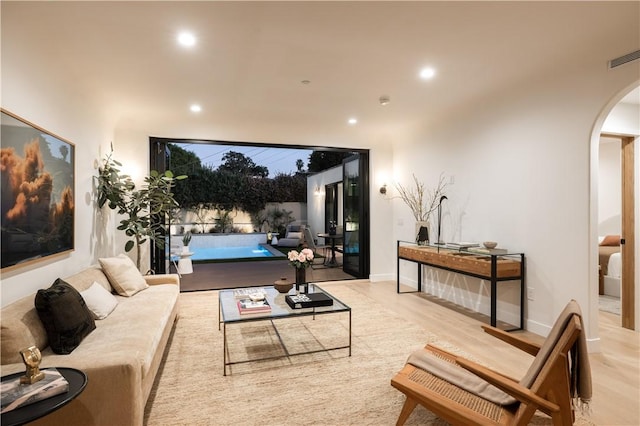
<point>120,357</point>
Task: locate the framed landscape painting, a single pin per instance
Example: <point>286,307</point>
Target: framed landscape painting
<point>37,171</point>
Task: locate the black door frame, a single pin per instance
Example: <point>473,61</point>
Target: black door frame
<point>159,159</point>
<point>364,252</point>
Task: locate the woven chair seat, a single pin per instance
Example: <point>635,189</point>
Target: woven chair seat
<point>433,383</point>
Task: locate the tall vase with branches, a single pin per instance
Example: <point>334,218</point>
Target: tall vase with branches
<point>140,207</point>
<point>421,200</point>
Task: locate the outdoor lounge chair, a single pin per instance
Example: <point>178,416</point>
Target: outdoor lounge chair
<point>311,244</point>
<point>559,372</point>
<point>293,238</point>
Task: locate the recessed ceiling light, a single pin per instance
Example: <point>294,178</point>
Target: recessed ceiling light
<point>353,121</point>
<point>195,108</point>
<point>427,73</point>
<point>186,39</point>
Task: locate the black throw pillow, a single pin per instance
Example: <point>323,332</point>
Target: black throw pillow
<point>65,316</point>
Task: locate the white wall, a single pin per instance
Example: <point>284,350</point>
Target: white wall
<point>521,164</point>
<point>623,119</point>
<point>61,108</point>
<point>609,187</point>
<point>315,202</point>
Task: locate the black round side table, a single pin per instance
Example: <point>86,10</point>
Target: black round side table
<point>77,382</point>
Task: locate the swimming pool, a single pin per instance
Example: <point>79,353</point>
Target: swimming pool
<point>215,253</point>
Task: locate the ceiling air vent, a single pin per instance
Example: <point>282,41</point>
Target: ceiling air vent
<point>624,59</point>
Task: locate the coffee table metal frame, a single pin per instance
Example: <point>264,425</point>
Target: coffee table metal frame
<point>228,314</point>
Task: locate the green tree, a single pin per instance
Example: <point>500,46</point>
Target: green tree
<point>225,190</point>
<point>289,188</point>
<point>188,193</point>
<point>323,160</point>
<point>182,161</point>
<point>236,162</point>
<point>255,194</point>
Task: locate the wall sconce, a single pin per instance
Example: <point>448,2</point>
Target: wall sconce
<point>383,189</point>
<point>316,191</point>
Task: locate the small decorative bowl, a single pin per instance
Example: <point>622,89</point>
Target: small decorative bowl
<point>283,285</point>
<point>490,244</point>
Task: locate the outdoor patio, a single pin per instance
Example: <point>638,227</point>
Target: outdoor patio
<point>215,276</point>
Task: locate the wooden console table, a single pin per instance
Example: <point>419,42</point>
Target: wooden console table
<point>491,267</point>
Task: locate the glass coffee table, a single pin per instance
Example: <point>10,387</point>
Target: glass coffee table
<point>229,314</point>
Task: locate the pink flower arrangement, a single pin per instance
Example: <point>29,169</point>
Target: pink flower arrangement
<point>302,259</point>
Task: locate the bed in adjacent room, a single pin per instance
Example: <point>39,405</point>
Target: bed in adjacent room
<point>610,261</point>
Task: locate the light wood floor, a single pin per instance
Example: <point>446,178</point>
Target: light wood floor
<point>615,371</point>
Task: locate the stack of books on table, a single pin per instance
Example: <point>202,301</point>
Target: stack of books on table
<point>309,300</point>
<point>249,306</point>
<point>245,293</point>
<point>16,395</point>
<point>463,245</point>
<point>483,250</point>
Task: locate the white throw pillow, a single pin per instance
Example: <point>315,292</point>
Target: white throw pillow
<point>99,301</point>
<point>123,275</point>
<point>294,235</point>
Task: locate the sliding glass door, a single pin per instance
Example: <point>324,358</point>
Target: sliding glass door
<point>356,215</point>
<point>159,159</point>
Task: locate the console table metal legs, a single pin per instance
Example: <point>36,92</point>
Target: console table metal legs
<point>493,275</point>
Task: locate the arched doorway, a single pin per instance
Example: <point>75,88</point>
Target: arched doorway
<point>614,125</point>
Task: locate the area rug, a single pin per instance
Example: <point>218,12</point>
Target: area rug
<point>609,304</point>
<point>325,388</point>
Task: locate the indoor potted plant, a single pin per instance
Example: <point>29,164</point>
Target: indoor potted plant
<point>186,240</point>
<point>144,209</point>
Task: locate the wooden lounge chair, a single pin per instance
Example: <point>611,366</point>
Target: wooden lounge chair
<point>558,376</point>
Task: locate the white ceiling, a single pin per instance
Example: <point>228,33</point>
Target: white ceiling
<point>250,58</point>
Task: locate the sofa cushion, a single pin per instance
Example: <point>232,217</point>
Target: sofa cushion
<point>297,235</point>
<point>99,301</point>
<point>65,316</point>
<point>15,336</point>
<point>20,324</point>
<point>85,278</point>
<point>123,275</point>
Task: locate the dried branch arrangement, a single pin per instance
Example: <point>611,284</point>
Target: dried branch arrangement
<point>421,201</point>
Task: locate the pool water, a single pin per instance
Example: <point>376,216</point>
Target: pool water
<point>214,253</point>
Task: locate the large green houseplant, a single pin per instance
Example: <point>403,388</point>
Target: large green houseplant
<point>144,209</point>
